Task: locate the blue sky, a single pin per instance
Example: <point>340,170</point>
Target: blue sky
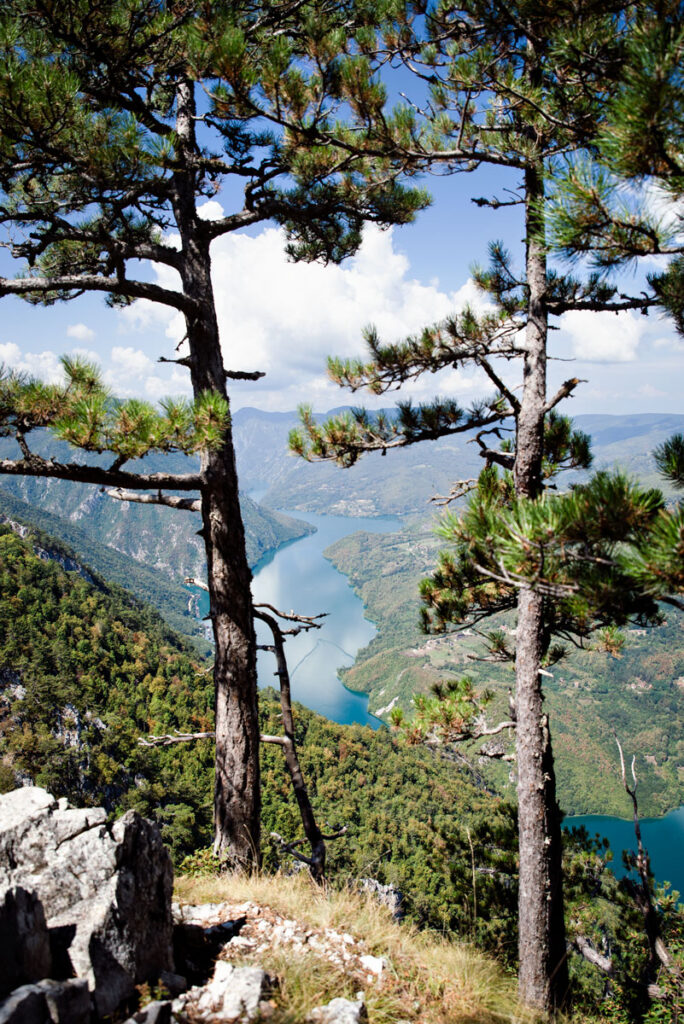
<point>285,318</point>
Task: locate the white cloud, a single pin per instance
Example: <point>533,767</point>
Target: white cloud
<point>211,210</point>
<point>44,365</point>
<point>668,211</point>
<point>650,392</point>
<point>673,343</point>
<point>285,318</point>
<point>81,332</point>
<point>604,337</point>
<point>132,372</point>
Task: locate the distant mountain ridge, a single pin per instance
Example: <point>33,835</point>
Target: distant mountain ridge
<point>404,482</point>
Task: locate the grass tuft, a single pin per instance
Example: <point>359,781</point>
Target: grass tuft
<point>429,979</point>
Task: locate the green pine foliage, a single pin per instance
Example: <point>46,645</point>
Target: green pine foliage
<point>82,412</point>
<point>630,680</point>
<point>412,818</point>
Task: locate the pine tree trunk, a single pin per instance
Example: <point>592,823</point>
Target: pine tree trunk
<point>237,797</point>
<point>543,968</point>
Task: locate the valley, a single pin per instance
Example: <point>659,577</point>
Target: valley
<point>639,694</point>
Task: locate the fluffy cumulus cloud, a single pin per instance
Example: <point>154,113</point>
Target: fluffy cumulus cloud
<point>604,337</point>
<point>81,332</point>
<point>284,318</point>
<point>44,364</point>
<point>131,372</point>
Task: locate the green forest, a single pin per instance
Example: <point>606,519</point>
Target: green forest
<point>241,183</point>
<point>636,693</point>
<point>88,671</point>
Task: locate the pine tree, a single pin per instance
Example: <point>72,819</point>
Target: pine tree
<point>521,86</point>
<point>117,120</point>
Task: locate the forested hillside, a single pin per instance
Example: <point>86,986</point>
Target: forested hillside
<point>86,670</point>
<point>158,538</point>
<point>639,693</point>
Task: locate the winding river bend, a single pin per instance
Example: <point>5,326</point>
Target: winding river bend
<point>298,577</point>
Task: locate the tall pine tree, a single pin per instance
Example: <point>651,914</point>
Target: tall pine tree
<point>117,120</point>
<point>521,86</point>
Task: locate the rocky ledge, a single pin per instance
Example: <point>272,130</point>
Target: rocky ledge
<point>86,921</point>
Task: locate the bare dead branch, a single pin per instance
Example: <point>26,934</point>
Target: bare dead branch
<point>565,390</point>
<point>604,963</point>
<point>172,500</point>
<point>459,489</point>
<point>304,622</point>
<point>642,894</point>
<point>312,832</point>
<point>244,374</point>
<point>190,581</point>
<point>176,737</point>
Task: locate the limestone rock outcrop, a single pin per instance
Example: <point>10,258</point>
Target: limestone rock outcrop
<point>340,1011</point>
<point>105,890</point>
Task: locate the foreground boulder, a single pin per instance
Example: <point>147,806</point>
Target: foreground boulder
<point>48,1002</point>
<point>105,890</point>
<point>24,940</point>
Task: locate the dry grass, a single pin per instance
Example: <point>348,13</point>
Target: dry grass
<point>429,980</point>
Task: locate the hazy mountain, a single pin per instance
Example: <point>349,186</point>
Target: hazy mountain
<point>161,538</point>
<point>403,481</point>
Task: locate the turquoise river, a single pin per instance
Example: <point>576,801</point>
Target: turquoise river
<point>299,577</point>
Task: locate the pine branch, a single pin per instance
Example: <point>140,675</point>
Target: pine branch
<point>79,283</point>
<point>243,374</point>
<point>176,737</point>
<point>592,956</point>
<point>36,465</point>
<point>564,391</point>
<point>561,306</point>
<point>224,225</point>
<point>458,490</point>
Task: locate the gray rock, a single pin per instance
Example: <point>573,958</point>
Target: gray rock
<point>173,983</point>
<point>48,1002</point>
<point>387,895</point>
<point>24,940</point>
<point>158,1012</point>
<point>106,889</point>
<point>26,1005</point>
<point>234,993</point>
<point>340,1011</point>
<point>68,1002</point>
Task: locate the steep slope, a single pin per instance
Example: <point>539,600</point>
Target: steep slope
<point>160,538</point>
<point>170,598</point>
<point>640,695</point>
<point>85,669</point>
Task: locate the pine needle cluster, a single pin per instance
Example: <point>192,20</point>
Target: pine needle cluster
<point>82,411</point>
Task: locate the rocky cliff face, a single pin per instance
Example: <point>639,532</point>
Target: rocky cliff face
<point>86,899</point>
<point>86,916</point>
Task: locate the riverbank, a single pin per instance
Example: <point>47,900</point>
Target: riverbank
<point>297,576</point>
<point>662,837</point>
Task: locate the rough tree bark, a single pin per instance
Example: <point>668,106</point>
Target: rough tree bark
<point>543,977</point>
<point>237,790</point>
